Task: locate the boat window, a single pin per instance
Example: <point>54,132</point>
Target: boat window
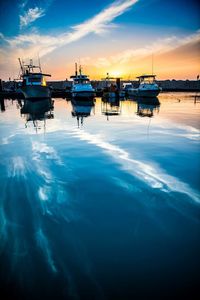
<point>34,79</point>
<point>83,81</point>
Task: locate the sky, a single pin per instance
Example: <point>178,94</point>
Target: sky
<point>125,38</point>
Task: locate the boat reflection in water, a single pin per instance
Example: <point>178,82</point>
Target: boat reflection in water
<point>106,212</point>
<point>2,104</point>
<point>147,108</point>
<point>36,111</point>
<point>81,109</point>
<point>110,107</point>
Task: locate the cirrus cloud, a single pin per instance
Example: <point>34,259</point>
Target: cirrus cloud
<point>34,43</point>
<point>31,15</point>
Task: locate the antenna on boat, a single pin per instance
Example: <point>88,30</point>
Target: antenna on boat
<point>39,63</point>
<point>21,65</point>
<point>80,70</point>
<point>31,65</point>
<point>76,71</point>
<point>152,64</point>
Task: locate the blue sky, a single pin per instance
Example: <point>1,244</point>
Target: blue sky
<point>135,24</point>
<point>181,14</point>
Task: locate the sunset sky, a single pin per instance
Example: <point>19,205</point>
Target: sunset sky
<point>119,37</point>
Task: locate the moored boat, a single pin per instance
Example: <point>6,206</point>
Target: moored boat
<point>33,84</point>
<point>147,87</point>
<point>112,90</point>
<point>81,87</point>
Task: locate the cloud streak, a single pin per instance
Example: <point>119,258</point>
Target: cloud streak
<point>31,44</point>
<point>160,46</point>
<point>31,15</point>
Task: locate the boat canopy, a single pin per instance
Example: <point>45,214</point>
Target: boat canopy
<point>146,76</point>
<point>79,77</point>
<point>28,70</point>
<point>36,74</point>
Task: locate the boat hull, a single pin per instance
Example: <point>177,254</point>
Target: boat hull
<point>36,107</point>
<point>83,95</point>
<point>34,92</point>
<point>144,93</point>
<point>114,95</point>
<point>109,95</point>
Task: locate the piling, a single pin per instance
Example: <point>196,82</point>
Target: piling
<point>118,83</point>
<point>2,104</point>
<point>1,86</point>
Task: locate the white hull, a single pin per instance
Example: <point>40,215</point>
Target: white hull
<point>144,93</point>
<point>83,94</point>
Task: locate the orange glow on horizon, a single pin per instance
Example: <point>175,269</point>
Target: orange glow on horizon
<point>180,64</point>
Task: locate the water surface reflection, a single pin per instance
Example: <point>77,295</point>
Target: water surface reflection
<point>36,111</point>
<point>81,109</point>
<point>92,209</point>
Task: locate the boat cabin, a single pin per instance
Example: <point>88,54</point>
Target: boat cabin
<point>127,85</point>
<point>150,79</point>
<point>80,79</point>
<point>34,79</point>
<point>29,77</point>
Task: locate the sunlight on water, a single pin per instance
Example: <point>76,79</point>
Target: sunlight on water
<point>44,245</point>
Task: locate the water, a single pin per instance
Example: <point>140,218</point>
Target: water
<point>100,201</point>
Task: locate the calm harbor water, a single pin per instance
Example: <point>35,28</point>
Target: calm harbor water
<point>100,201</point>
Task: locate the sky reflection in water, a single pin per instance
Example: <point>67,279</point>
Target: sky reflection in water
<point>100,201</point>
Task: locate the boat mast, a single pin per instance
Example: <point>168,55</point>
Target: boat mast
<point>30,66</point>
<point>39,64</point>
<point>152,64</point>
<point>21,66</point>
<point>80,70</point>
<point>76,69</point>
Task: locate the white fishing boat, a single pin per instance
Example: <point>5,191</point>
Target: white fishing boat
<point>33,84</point>
<point>81,87</point>
<point>147,87</point>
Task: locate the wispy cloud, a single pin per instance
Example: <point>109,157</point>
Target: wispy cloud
<point>23,3</point>
<point>31,44</point>
<point>159,46</point>
<point>101,20</point>
<point>31,15</point>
